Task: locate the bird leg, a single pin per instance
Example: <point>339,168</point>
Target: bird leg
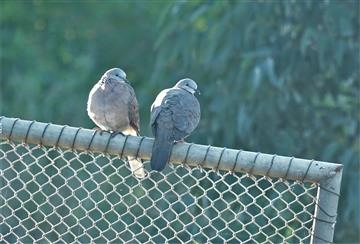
<point>112,133</point>
<point>100,130</point>
<point>179,141</point>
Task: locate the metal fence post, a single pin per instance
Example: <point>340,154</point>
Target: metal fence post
<point>326,209</point>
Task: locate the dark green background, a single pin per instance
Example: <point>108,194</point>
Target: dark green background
<point>278,77</point>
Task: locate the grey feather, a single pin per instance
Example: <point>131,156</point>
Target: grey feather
<point>112,106</point>
<point>175,113</point>
<point>161,150</point>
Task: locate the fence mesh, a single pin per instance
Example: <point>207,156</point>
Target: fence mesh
<point>49,195</point>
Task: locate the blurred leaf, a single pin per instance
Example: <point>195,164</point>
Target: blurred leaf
<point>279,77</point>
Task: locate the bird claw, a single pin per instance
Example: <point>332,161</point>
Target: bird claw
<point>100,130</point>
<point>179,141</point>
<point>112,133</point>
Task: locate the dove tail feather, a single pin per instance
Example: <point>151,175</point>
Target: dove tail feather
<point>137,167</point>
<point>161,150</point>
<point>136,164</point>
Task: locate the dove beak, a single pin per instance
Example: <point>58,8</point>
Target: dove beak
<point>197,92</point>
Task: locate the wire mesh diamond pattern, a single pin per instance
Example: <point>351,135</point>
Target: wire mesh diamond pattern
<point>49,194</point>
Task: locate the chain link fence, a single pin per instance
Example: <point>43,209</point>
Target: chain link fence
<point>49,194</point>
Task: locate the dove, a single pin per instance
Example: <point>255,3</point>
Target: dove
<point>113,107</point>
<point>175,113</point>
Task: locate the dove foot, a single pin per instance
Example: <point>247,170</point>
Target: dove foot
<point>100,130</point>
<point>112,133</point>
<point>179,141</point>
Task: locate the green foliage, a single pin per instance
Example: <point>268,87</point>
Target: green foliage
<point>280,77</point>
<point>53,53</point>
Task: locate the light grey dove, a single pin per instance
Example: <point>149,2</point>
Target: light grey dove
<point>175,113</point>
<point>113,107</point>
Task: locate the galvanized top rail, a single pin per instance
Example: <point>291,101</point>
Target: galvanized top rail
<point>183,153</point>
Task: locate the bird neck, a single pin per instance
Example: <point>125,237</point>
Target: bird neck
<point>188,90</point>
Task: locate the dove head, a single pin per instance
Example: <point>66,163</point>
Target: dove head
<point>116,74</point>
<point>188,85</point>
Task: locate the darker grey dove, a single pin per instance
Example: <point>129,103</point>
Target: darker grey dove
<point>113,107</point>
<point>175,113</point>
